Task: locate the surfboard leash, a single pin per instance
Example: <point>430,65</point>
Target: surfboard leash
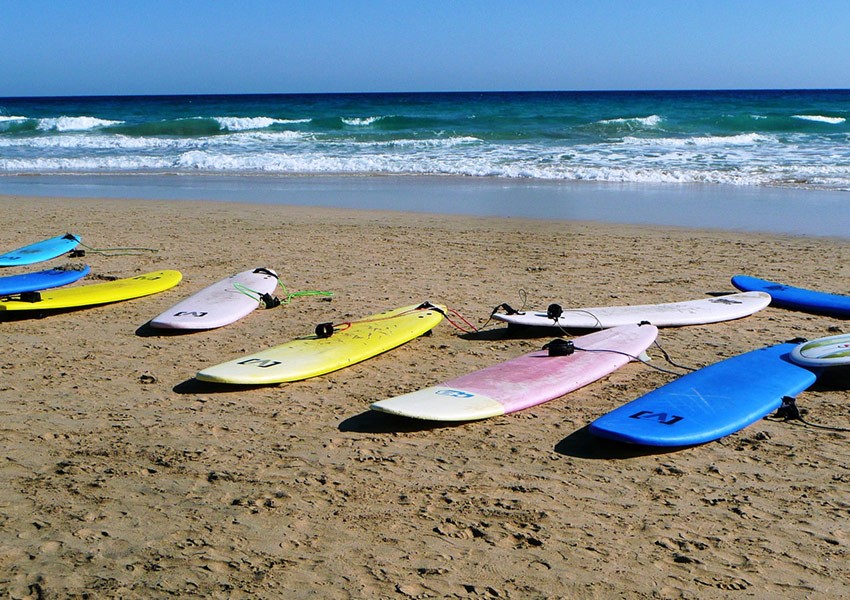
<point>324,330</point>
<point>470,328</point>
<point>128,251</point>
<point>266,300</point>
<point>553,311</point>
<point>561,347</point>
<point>790,412</point>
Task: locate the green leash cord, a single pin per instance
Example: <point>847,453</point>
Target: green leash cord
<point>269,301</point>
<point>105,251</point>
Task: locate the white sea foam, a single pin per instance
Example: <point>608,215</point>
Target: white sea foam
<point>90,164</point>
<point>11,118</point>
<point>643,122</point>
<point>248,123</point>
<point>740,139</point>
<point>744,159</point>
<point>74,123</point>
<point>264,137</point>
<point>491,162</point>
<point>821,119</point>
<point>432,143</point>
<point>361,121</point>
<point>96,142</point>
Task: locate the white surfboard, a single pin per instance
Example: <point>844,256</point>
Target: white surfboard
<point>673,314</point>
<point>831,351</point>
<point>221,303</point>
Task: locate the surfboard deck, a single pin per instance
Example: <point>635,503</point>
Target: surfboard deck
<point>524,381</point>
<point>42,280</point>
<point>96,293</point>
<point>40,251</point>
<point>831,351</point>
<point>673,314</point>
<point>219,304</point>
<point>710,403</point>
<point>313,355</point>
<point>796,298</point>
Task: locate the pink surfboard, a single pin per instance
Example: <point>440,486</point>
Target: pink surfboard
<point>524,381</point>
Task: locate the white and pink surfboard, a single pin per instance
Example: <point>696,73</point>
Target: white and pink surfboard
<point>525,381</point>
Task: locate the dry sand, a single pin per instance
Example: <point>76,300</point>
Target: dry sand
<point>121,477</point>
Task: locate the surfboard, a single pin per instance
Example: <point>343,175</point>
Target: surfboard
<point>93,294</point>
<point>802,299</point>
<point>40,251</point>
<point>524,381</point>
<point>42,280</point>
<point>831,351</point>
<point>221,303</point>
<point>710,403</point>
<point>673,314</point>
<point>317,354</point>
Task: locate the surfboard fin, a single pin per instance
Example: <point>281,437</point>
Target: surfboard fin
<point>644,357</point>
<point>788,411</point>
<point>507,308</point>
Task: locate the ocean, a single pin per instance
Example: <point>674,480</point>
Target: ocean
<point>784,138</point>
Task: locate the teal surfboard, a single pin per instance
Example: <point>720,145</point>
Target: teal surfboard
<point>40,251</point>
<point>709,403</point>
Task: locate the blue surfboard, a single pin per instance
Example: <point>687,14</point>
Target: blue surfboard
<point>40,251</point>
<point>795,298</point>
<point>709,403</point>
<point>41,280</point>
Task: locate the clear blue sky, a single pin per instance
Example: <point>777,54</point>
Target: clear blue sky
<point>75,47</point>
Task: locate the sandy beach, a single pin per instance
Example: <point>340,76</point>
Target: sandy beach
<point>123,477</point>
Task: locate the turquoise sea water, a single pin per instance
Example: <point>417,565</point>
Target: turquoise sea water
<point>796,139</point>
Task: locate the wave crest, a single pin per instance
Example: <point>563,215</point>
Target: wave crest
<point>742,139</point>
<point>650,122</point>
<point>249,123</point>
<point>820,119</point>
<point>361,121</point>
<point>74,123</point>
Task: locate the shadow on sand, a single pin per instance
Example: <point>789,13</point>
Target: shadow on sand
<point>373,421</point>
<point>582,444</point>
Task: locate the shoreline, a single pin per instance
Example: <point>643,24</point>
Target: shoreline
<point>787,211</point>
<point>125,478</point>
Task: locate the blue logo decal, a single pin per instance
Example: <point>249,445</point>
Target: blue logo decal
<point>455,393</point>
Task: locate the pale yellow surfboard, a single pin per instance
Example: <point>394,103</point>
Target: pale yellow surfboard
<point>312,355</point>
<point>93,294</point>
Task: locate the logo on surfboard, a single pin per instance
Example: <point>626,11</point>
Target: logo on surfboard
<point>663,418</point>
<point>454,393</point>
<point>725,301</point>
<point>259,362</point>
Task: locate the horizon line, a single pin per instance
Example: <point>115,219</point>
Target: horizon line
<point>432,92</point>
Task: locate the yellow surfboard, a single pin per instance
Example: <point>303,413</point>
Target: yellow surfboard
<point>347,344</point>
<point>90,295</point>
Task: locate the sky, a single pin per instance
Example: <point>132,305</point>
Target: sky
<point>118,47</point>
